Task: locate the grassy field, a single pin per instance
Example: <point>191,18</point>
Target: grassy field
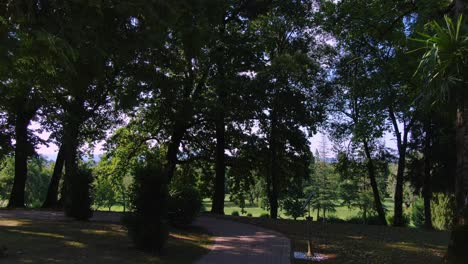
<point>342,212</point>
<point>350,243</point>
<point>86,242</point>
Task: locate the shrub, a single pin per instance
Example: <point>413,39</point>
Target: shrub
<point>77,192</point>
<point>335,220</point>
<point>249,215</point>
<point>147,224</point>
<point>264,215</point>
<point>355,220</point>
<point>184,205</point>
<point>406,219</point>
<point>417,213</point>
<point>442,210</point>
<point>235,213</point>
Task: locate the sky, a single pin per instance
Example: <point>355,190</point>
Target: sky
<point>315,142</point>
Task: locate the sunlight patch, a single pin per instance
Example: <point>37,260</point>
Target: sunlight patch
<point>44,234</point>
<point>12,222</point>
<point>95,232</point>
<point>405,247</point>
<point>75,244</point>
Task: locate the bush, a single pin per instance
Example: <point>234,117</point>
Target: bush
<point>417,213</point>
<point>249,215</point>
<point>442,209</point>
<point>184,205</point>
<point>406,220</point>
<point>147,224</point>
<point>235,213</point>
<point>264,215</point>
<point>335,220</point>
<point>370,220</point>
<point>355,220</point>
<point>77,192</point>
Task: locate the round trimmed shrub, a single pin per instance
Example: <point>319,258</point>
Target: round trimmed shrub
<point>77,191</point>
<point>147,224</point>
<point>235,213</point>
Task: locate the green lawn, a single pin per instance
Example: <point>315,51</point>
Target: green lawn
<point>87,242</point>
<point>342,212</point>
<point>351,243</point>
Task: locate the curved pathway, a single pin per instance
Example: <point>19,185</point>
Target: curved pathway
<point>243,243</point>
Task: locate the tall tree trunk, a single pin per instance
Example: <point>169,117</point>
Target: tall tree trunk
<point>173,149</point>
<point>21,161</point>
<point>218,198</point>
<point>273,171</point>
<point>427,191</point>
<point>459,236</point>
<point>398,211</point>
<point>402,143</point>
<point>373,182</point>
<point>457,250</point>
<point>71,163</point>
<point>51,200</point>
<point>220,166</point>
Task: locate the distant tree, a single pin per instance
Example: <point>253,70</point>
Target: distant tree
<point>36,184</point>
<point>323,183</point>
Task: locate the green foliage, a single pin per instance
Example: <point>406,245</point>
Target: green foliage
<point>354,188</point>
<point>417,212</point>
<point>293,207</point>
<point>113,181</point>
<point>444,61</point>
<point>406,220</point>
<point>78,199</point>
<point>235,213</point>
<point>37,182</point>
<point>104,193</point>
<point>184,205</point>
<point>147,224</point>
<point>443,211</point>
<point>323,183</point>
<point>293,201</point>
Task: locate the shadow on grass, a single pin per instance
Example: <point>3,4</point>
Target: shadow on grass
<point>37,241</point>
<point>353,243</point>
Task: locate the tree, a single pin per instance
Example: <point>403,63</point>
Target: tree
<point>36,184</point>
<point>33,54</point>
<point>292,94</point>
<point>323,183</point>
<point>444,64</point>
<point>357,119</point>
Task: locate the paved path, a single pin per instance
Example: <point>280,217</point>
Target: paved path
<point>237,243</point>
